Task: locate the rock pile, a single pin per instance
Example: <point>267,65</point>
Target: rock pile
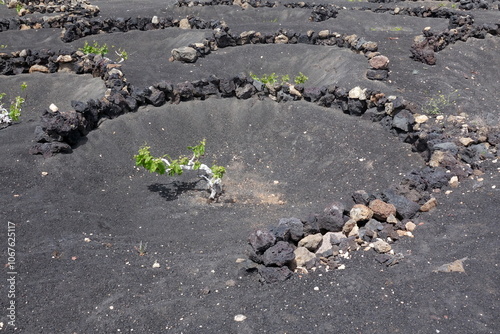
<point>324,241</point>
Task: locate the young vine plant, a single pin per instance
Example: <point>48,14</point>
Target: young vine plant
<point>164,164</point>
<point>14,111</point>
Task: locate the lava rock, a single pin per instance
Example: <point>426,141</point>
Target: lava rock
<point>185,54</point>
<point>311,242</point>
<point>274,274</point>
<point>261,240</point>
<point>281,254</point>
<point>377,74</point>
<point>404,207</point>
<point>304,258</point>
<point>382,210</point>
<point>403,120</point>
<point>245,92</point>
<point>296,228</point>
<point>332,219</point>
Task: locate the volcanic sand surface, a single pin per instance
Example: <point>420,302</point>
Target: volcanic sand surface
<point>68,285</point>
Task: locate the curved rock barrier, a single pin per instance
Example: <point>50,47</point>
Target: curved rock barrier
<point>82,22</point>
<point>73,7</point>
<point>460,25</point>
<point>460,4</point>
<point>222,37</point>
<point>425,46</point>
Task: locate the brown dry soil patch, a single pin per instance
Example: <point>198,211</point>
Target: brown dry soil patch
<point>79,216</point>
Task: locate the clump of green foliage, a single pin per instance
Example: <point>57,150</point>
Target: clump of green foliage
<point>300,79</point>
<point>102,50</point>
<point>95,48</point>
<point>438,103</point>
<point>14,111</point>
<point>282,79</point>
<point>122,54</point>
<point>165,164</point>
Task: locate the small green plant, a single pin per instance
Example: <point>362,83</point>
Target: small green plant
<point>14,112</point>
<point>141,249</point>
<point>396,29</point>
<point>3,46</point>
<point>102,50</point>
<point>122,54</point>
<point>19,6</point>
<point>95,48</point>
<point>273,78</point>
<point>300,79</point>
<point>437,104</point>
<point>172,167</point>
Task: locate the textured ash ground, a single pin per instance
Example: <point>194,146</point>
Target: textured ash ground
<point>314,153</point>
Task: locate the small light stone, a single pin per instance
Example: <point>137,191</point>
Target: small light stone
<point>453,181</point>
<point>381,246</point>
<point>419,119</point>
<point>53,108</point>
<point>239,317</point>
<point>156,265</point>
<point>410,226</point>
<point>466,141</point>
<point>429,205</point>
<point>86,239</point>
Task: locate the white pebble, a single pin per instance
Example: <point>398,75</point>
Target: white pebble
<point>239,317</point>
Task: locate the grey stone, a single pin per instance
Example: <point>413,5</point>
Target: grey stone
<point>446,146</point>
<point>374,225</point>
<point>356,107</point>
<point>336,237</point>
<point>381,246</point>
<point>156,97</point>
<point>279,255</point>
<point>296,227</point>
<point>245,92</point>
<point>403,120</point>
<point>311,242</point>
<point>261,240</point>
<point>185,54</point>
<point>326,248</point>
<point>332,219</point>
<point>274,274</point>
<point>404,207</point>
<point>304,258</point>
<point>348,244</point>
<point>362,197</point>
<point>373,74</point>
